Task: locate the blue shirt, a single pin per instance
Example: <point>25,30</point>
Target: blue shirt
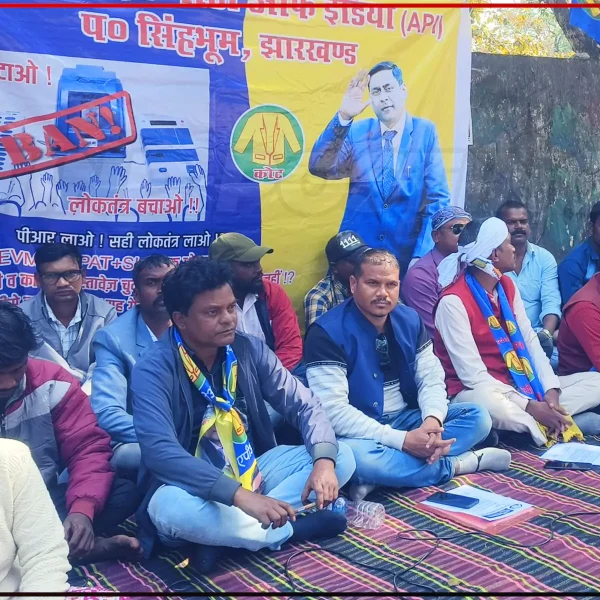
<point>538,285</point>
<point>579,266</point>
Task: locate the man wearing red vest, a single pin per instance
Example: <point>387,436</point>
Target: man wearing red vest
<point>579,343</point>
<point>490,352</point>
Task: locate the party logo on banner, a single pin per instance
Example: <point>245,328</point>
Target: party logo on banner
<point>267,143</point>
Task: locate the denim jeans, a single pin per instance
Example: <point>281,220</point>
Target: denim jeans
<point>377,464</point>
<point>126,458</point>
<point>181,517</point>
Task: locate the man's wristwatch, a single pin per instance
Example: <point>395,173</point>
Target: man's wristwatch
<point>546,333</point>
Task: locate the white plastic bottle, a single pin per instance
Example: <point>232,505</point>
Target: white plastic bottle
<point>363,514</point>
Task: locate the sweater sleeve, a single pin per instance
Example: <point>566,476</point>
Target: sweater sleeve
<point>584,321</point>
<point>286,330</point>
<point>85,449</point>
<point>37,531</point>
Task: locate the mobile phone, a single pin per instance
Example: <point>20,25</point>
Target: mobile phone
<point>454,500</point>
<point>559,465</point>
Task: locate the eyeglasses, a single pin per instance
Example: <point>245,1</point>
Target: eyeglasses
<point>457,228</point>
<point>68,276</point>
<point>382,347</point>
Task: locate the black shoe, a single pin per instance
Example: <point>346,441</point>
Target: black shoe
<point>491,441</point>
<point>204,558</point>
<point>319,525</point>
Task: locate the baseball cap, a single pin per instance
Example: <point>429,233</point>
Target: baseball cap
<point>235,246</point>
<point>346,245</point>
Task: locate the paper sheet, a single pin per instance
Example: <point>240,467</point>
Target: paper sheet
<point>491,507</point>
<point>574,452</point>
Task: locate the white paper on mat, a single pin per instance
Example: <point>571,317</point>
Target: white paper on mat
<point>491,507</point>
<point>573,452</point>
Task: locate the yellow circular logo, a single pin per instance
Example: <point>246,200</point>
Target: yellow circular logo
<point>493,322</point>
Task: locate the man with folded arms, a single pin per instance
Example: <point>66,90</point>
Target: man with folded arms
<point>371,363</point>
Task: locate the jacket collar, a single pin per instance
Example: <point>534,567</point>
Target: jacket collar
<point>142,334</point>
<point>39,306</point>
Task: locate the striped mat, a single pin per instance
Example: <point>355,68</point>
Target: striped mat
<point>570,563</point>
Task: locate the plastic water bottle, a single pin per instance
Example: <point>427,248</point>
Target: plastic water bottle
<point>363,514</point>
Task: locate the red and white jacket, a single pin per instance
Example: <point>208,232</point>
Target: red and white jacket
<point>54,418</point>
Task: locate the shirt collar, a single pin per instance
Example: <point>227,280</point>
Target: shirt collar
<point>398,127</point>
<point>76,318</point>
<point>152,336</point>
<point>339,286</point>
<point>18,392</point>
<point>249,302</point>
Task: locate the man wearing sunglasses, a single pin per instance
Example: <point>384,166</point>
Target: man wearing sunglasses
<point>64,316</point>
<point>371,363</point>
<point>420,288</point>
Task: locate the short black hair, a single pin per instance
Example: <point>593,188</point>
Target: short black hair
<point>508,205</point>
<point>49,253</point>
<point>190,278</point>
<point>17,336</point>
<point>374,256</point>
<point>595,213</point>
<point>152,261</point>
<point>387,65</point>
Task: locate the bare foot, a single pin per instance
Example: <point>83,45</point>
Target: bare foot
<point>118,547</point>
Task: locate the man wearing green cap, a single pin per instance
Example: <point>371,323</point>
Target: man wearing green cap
<point>264,309</point>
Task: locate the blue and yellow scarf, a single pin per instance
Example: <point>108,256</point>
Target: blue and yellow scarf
<point>220,414</point>
<point>514,351</point>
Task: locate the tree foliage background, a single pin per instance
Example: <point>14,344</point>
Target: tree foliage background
<point>521,31</point>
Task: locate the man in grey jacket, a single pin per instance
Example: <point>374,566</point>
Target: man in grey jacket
<point>63,315</point>
<point>202,387</point>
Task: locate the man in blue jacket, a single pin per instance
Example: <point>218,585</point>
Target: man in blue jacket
<point>117,348</point>
<point>394,163</point>
<point>371,363</point>
<point>211,471</point>
<point>583,262</point>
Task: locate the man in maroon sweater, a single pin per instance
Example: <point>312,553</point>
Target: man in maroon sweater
<point>579,334</point>
<point>264,309</point>
<point>42,406</point>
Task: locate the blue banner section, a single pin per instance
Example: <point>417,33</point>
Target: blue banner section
<point>586,20</point>
<point>115,130</point>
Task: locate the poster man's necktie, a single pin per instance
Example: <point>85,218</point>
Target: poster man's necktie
<point>388,163</point>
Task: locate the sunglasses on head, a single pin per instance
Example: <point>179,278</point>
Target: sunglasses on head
<point>382,347</point>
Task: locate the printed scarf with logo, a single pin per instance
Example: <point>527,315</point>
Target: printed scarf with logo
<point>515,353</point>
<point>241,463</point>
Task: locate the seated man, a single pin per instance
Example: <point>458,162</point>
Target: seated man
<point>263,308</point>
<point>341,251</point>
<point>420,288</point>
<point>64,316</point>
<point>535,274</point>
<point>211,471</point>
<point>117,348</point>
<point>43,407</point>
<point>489,350</point>
<point>581,263</point>
<point>371,363</point>
<point>579,336</point>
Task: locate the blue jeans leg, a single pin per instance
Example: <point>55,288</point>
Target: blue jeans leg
<point>178,515</point>
<point>377,464</point>
<point>287,468</point>
<point>126,458</point>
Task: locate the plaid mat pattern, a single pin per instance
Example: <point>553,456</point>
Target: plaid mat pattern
<point>570,563</point>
